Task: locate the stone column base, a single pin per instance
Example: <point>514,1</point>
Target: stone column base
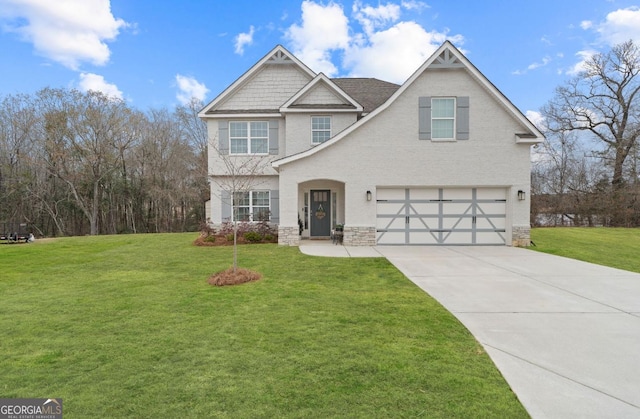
<point>288,236</point>
<point>521,236</point>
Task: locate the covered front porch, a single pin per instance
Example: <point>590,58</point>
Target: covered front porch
<point>317,207</point>
<point>321,204</point>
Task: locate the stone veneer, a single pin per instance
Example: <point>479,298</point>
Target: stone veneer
<point>359,236</point>
<point>289,236</point>
<point>521,236</point>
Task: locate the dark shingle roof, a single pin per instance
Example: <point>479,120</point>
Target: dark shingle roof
<point>370,93</point>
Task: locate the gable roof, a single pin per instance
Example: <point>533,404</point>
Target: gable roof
<point>277,56</point>
<point>446,56</point>
<point>341,100</point>
<point>370,93</point>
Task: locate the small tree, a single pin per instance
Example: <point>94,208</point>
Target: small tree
<point>241,174</point>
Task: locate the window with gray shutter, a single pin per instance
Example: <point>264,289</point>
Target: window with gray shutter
<point>442,119</point>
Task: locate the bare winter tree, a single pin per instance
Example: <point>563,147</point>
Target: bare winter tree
<point>83,132</point>
<point>237,176</point>
<point>194,133</point>
<point>604,101</point>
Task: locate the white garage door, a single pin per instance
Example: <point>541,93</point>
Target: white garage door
<point>443,216</point>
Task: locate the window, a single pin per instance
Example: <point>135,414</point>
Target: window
<point>249,137</point>
<point>251,206</point>
<point>320,129</point>
<point>443,113</point>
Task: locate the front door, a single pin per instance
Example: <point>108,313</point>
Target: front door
<point>320,213</point>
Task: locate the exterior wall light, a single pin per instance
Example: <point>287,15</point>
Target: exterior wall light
<point>521,195</point>
<point>368,195</point>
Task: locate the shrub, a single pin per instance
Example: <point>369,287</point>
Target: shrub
<point>206,230</point>
<point>253,236</point>
<point>210,239</point>
<point>229,237</point>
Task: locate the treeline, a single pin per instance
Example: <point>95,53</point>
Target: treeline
<point>74,163</point>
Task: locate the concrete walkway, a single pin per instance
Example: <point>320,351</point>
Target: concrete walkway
<point>565,334</point>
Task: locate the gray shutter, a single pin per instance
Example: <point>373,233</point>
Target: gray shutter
<point>424,118</point>
<point>225,209</point>
<point>462,118</point>
<point>223,137</point>
<point>273,136</point>
<point>275,206</point>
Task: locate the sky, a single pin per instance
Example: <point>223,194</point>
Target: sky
<point>160,54</point>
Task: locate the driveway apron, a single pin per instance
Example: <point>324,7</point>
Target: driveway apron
<point>565,334</point>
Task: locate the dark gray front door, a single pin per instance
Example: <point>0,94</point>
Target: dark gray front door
<point>320,213</point>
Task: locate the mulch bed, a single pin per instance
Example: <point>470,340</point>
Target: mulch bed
<point>231,277</point>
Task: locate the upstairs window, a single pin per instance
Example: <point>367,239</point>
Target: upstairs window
<point>249,137</point>
<point>320,129</point>
<point>443,118</point>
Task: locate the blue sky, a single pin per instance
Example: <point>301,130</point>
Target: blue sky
<point>160,53</point>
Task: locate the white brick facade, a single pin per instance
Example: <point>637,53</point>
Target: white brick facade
<point>382,149</point>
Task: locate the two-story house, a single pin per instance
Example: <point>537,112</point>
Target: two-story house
<point>443,159</point>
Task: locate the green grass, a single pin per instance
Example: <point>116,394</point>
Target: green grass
<point>126,326</point>
<point>615,247</point>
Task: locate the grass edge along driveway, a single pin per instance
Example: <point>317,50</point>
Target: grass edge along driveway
<point>126,326</point>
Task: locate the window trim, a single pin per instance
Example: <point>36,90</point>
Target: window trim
<point>252,207</point>
<point>248,138</point>
<point>453,119</point>
<point>321,130</point>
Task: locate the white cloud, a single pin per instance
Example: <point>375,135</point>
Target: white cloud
<point>375,43</point>
<point>414,5</point>
<point>372,18</point>
<point>95,82</point>
<point>324,29</point>
<point>394,54</point>
<point>189,88</point>
<point>69,32</point>
<point>244,39</point>
<point>620,26</point>
<point>579,67</point>
<point>586,24</point>
<point>545,60</point>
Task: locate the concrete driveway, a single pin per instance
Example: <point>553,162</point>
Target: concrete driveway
<point>565,334</point>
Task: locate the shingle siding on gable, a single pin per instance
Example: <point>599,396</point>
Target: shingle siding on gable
<point>320,95</point>
<point>268,89</point>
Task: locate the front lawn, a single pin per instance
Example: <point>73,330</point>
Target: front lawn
<point>615,247</point>
<point>127,326</point>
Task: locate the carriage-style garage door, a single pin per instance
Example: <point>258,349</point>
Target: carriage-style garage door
<point>443,216</point>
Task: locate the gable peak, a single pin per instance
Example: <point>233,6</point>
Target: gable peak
<point>447,59</point>
<point>279,56</point>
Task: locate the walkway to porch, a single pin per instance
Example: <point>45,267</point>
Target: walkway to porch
<point>327,248</point>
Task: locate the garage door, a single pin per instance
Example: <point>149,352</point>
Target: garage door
<point>443,216</point>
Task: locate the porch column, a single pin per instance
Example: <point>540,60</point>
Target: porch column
<point>288,229</point>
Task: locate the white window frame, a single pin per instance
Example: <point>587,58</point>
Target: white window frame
<point>319,130</point>
<point>252,205</point>
<point>443,118</point>
<point>248,138</point>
